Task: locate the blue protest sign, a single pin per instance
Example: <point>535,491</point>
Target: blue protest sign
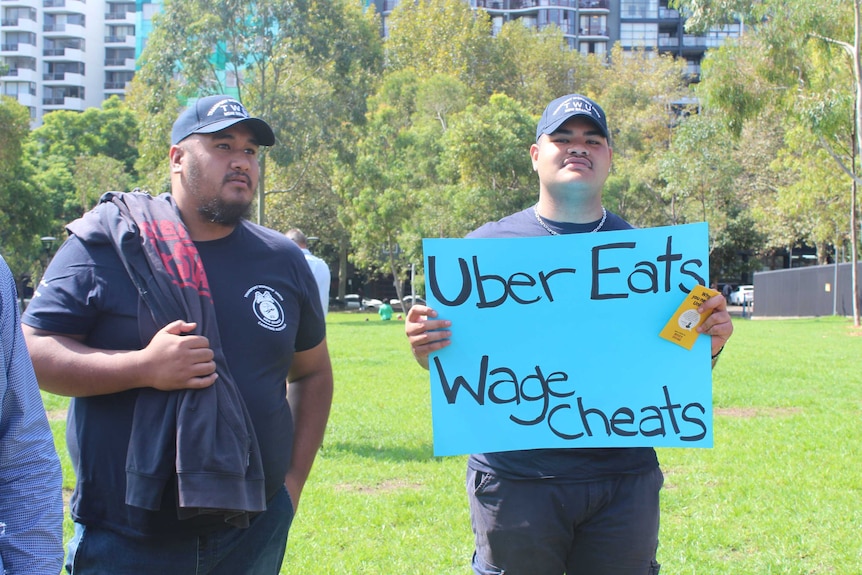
<point>555,341</point>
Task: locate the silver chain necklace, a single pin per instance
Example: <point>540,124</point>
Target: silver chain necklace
<point>553,233</point>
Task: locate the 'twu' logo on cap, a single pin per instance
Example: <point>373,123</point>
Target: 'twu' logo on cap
<point>575,104</point>
<point>228,108</point>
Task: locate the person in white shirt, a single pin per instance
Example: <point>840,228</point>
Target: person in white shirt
<point>319,268</point>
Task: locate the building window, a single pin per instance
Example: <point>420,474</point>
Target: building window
<point>12,15</point>
<point>587,48</point>
<point>118,80</point>
<point>638,9</point>
<point>119,33</point>
<point>12,40</point>
<point>14,88</point>
<point>118,56</point>
<point>55,96</point>
<point>594,26</point>
<point>639,35</point>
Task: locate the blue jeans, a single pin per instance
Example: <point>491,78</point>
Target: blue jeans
<point>541,527</point>
<point>257,550</point>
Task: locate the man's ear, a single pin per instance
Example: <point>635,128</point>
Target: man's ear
<point>176,154</point>
<point>534,154</point>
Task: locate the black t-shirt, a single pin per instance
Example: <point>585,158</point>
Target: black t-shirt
<point>574,464</point>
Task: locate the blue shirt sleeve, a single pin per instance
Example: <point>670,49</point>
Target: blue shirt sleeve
<point>31,504</point>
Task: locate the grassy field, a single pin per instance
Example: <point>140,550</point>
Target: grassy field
<point>780,493</point>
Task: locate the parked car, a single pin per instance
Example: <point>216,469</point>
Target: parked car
<point>352,301</point>
<point>741,295</point>
<point>409,302</point>
<point>371,304</point>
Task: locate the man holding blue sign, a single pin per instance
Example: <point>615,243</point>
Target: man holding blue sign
<point>577,511</point>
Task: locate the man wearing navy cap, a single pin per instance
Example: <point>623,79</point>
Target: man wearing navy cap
<point>555,511</point>
<point>210,483</point>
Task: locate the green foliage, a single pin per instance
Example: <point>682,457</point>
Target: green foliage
<point>486,156</point>
<point>701,15</point>
<point>24,217</point>
<point>459,48</point>
<point>110,132</point>
<point>95,175</point>
<point>640,96</point>
<point>534,67</point>
<point>15,120</point>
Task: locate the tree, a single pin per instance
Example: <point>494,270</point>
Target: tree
<point>15,120</point>
<point>441,37</point>
<point>701,170</point>
<point>109,132</point>
<point>24,216</point>
<point>378,191</point>
<point>95,175</point>
<point>535,67</point>
<point>486,157</point>
<point>641,95</point>
<point>782,62</point>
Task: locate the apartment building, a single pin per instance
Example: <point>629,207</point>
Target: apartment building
<point>594,26</point>
<point>69,54</point>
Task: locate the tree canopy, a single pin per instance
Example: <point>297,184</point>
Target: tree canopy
<point>381,143</point>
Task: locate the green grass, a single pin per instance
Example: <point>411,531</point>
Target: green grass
<point>780,493</point>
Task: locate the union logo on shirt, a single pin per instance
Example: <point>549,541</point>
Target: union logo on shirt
<point>266,304</point>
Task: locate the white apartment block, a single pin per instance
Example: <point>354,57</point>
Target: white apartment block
<point>69,54</point>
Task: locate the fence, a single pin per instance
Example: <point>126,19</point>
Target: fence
<point>805,292</point>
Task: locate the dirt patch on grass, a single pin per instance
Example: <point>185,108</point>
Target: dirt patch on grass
<point>382,487</point>
<point>749,412</point>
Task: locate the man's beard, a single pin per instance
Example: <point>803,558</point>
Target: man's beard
<point>215,209</point>
<point>218,211</point>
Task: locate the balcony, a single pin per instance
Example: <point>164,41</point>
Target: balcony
<point>70,78</point>
<point>27,99</point>
<point>63,54</point>
<point>21,75</point>
<point>21,25</point>
<point>65,6</point>
<point>126,17</point>
<point>64,103</point>
<point>125,63</point>
<point>123,40</point>
<point>19,50</point>
<point>64,31</point>
<point>116,85</point>
<point>593,33</point>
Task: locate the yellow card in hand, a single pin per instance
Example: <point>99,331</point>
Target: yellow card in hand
<point>682,327</point>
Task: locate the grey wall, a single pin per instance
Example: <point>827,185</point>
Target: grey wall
<point>802,292</point>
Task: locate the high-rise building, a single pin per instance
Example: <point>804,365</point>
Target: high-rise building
<point>594,26</point>
<point>69,54</point>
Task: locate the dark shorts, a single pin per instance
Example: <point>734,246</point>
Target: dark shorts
<point>257,550</point>
<point>541,527</point>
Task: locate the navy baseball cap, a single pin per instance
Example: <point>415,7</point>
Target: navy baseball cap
<point>215,113</point>
<point>567,107</point>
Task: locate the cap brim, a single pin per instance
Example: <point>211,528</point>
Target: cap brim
<point>554,126</point>
<point>261,130</point>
